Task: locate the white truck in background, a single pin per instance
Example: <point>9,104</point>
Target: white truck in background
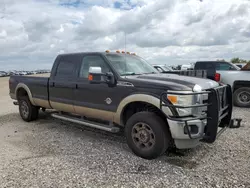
<point>229,73</point>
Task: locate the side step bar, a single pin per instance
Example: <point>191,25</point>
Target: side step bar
<point>104,127</point>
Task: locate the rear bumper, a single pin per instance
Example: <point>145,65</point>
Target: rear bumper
<point>203,128</point>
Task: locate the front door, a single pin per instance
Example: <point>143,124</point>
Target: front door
<point>96,100</point>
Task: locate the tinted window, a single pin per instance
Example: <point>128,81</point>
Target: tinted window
<point>92,61</point>
<point>205,65</point>
<point>224,66</point>
<point>65,69</point>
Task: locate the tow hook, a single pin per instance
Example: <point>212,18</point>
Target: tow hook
<point>232,124</point>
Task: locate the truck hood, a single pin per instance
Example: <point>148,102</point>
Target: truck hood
<point>176,82</point>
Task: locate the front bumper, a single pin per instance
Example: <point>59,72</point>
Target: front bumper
<point>202,128</point>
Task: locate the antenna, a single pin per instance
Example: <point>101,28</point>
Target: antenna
<point>125,54</point>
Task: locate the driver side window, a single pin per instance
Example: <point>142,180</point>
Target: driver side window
<point>92,61</point>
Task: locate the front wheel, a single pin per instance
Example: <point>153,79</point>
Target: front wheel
<point>147,135</point>
<point>242,97</point>
<point>27,111</point>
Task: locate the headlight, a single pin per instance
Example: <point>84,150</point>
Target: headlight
<point>182,100</point>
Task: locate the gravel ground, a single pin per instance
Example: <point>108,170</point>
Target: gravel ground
<point>52,153</point>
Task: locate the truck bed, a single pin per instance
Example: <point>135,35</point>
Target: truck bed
<point>38,85</point>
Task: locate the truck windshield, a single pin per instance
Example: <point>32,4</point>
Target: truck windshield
<point>234,67</point>
<point>130,64</point>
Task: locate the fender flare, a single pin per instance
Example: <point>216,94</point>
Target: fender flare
<point>26,88</point>
<point>243,83</point>
<point>137,98</point>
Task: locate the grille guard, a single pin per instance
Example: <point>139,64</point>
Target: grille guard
<point>219,111</point>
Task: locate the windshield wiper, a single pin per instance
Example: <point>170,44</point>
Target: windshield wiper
<point>150,73</point>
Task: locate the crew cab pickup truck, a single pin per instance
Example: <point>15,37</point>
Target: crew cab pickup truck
<point>229,73</point>
<point>116,91</point>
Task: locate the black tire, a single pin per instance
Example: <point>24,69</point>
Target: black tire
<point>154,125</point>
<point>27,111</point>
<point>238,97</point>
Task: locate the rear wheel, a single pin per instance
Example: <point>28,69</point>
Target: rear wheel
<point>242,97</point>
<point>27,111</point>
<point>147,135</point>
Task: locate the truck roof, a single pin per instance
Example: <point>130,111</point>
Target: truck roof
<point>97,52</point>
<point>211,61</point>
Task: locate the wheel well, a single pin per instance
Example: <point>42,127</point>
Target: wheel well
<point>21,92</point>
<point>239,84</point>
<point>135,107</point>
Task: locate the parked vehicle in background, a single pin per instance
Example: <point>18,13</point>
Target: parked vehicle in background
<point>162,68</point>
<point>246,67</point>
<point>229,73</point>
<point>193,73</point>
<point>3,74</point>
<point>186,67</point>
<point>240,65</point>
<point>107,91</point>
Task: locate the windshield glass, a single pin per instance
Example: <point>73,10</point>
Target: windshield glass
<point>133,65</point>
<point>234,66</point>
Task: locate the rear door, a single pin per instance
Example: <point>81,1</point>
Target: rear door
<point>62,84</point>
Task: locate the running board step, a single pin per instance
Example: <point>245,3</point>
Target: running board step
<point>104,127</point>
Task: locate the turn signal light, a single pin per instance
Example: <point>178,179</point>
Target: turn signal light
<point>173,99</point>
<point>107,51</point>
<point>90,77</point>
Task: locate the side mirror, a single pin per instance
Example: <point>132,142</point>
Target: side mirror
<point>97,77</point>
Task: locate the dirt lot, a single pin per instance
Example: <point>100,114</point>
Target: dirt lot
<point>51,153</point>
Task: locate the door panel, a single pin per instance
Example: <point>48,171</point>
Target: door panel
<point>96,100</point>
<point>62,85</point>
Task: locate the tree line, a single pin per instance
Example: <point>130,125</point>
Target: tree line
<point>236,60</point>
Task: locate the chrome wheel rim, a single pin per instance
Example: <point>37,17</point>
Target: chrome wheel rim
<point>24,109</point>
<point>143,136</point>
<point>244,97</point>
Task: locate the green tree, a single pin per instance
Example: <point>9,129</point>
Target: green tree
<point>238,60</point>
<point>235,60</point>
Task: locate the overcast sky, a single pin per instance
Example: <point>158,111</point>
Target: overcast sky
<point>33,32</point>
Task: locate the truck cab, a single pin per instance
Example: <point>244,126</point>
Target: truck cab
<point>116,91</point>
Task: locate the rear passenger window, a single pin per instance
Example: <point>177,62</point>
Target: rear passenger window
<point>65,69</point>
<point>205,66</point>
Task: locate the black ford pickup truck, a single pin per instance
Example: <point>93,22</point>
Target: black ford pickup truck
<point>113,90</point>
